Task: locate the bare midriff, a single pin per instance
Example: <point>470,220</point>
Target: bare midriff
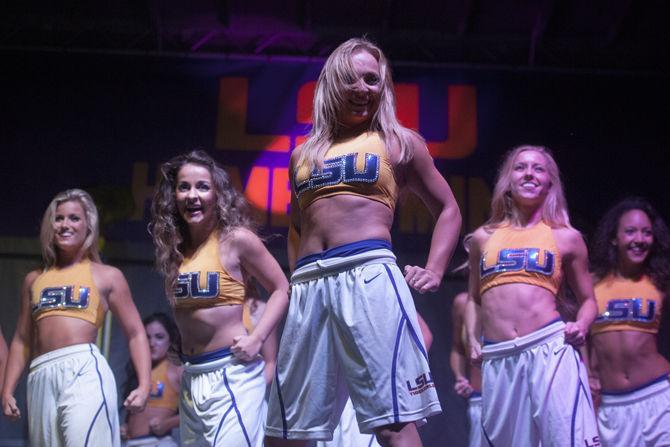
<point>138,423</point>
<point>209,329</point>
<point>627,360</point>
<point>56,331</point>
<point>514,310</point>
<point>338,220</point>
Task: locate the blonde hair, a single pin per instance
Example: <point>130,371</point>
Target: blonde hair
<point>503,209</point>
<point>90,247</point>
<point>334,80</point>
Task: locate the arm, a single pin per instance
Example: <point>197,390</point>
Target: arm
<point>294,224</point>
<point>457,359</point>
<point>269,353</point>
<point>123,308</point>
<point>473,325</point>
<point>3,357</point>
<point>575,264</point>
<point>428,184</point>
<point>591,361</point>
<point>425,332</point>
<point>257,261</point>
<point>19,351</point>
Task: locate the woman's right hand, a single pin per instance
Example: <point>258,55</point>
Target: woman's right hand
<point>463,387</point>
<point>475,352</point>
<point>124,431</point>
<point>10,409</point>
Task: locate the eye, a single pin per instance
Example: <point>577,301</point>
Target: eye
<point>183,187</point>
<point>539,169</point>
<point>203,186</point>
<point>75,218</point>
<point>371,79</point>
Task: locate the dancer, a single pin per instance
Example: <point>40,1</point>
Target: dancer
<point>534,383</point>
<point>71,389</point>
<point>352,328</point>
<point>152,426</point>
<point>631,262</point>
<point>208,253</point>
<point>467,376</point>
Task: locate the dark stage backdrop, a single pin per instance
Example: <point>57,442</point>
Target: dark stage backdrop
<point>104,122</point>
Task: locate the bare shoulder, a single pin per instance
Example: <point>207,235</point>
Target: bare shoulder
<point>479,237</point>
<point>242,239</point>
<point>295,155</point>
<point>30,278</point>
<point>569,240</point>
<point>106,274</point>
<point>460,300</point>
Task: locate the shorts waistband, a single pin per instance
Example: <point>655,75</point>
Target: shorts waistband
<point>536,338</point>
<point>332,266</point>
<point>59,354</point>
<point>205,357</point>
<point>475,398</point>
<point>656,386</point>
<point>146,440</point>
<point>346,250</point>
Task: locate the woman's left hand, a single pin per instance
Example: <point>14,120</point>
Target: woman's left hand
<point>422,280</point>
<point>575,333</point>
<point>246,347</point>
<point>158,426</point>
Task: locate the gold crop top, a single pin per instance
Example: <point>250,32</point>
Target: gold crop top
<point>526,255</point>
<point>162,394</point>
<point>359,167</point>
<point>627,305</point>
<point>203,282</point>
<point>69,292</point>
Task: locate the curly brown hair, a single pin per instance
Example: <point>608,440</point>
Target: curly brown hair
<point>168,229</point>
<point>604,255</point>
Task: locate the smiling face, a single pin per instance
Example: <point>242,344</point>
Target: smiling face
<point>634,239</point>
<point>530,179</point>
<point>159,341</point>
<point>195,195</point>
<point>361,96</point>
<point>69,226</point>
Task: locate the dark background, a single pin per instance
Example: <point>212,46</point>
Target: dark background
<point>87,91</point>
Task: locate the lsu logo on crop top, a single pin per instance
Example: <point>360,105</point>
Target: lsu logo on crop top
<point>188,285</point>
<point>527,255</point>
<point>627,305</point>
<point>203,282</point>
<point>67,292</point>
<point>342,169</point>
<point>358,167</point>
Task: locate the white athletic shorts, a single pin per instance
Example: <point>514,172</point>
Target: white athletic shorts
<point>221,401</point>
<point>351,330</point>
<point>637,418</point>
<point>347,434</point>
<point>72,399</point>
<point>151,441</point>
<point>535,392</point>
<point>475,419</point>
